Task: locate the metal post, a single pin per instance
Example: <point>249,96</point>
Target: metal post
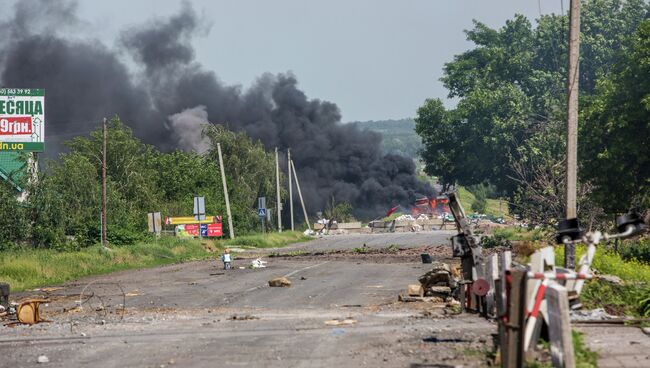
<point>300,195</point>
<point>290,187</point>
<point>231,229</point>
<point>277,187</point>
<point>104,227</point>
<point>572,124</point>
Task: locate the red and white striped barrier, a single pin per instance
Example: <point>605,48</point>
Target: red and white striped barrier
<point>559,276</point>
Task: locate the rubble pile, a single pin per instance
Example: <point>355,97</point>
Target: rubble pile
<point>405,218</point>
<point>439,282</point>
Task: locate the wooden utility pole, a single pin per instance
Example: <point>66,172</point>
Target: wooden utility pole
<point>290,187</point>
<point>277,187</point>
<point>104,227</point>
<point>304,211</point>
<point>231,229</point>
<point>572,123</point>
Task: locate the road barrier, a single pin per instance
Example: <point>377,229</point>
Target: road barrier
<point>522,298</point>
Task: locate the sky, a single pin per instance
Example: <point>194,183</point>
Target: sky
<point>376,59</point>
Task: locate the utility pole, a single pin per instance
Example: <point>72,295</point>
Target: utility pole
<point>231,229</point>
<point>104,227</point>
<point>304,211</point>
<point>290,187</point>
<point>277,187</point>
<point>572,124</point>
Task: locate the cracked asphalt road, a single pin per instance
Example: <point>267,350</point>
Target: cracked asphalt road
<point>196,315</point>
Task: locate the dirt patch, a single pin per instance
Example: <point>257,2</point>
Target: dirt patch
<point>374,255</point>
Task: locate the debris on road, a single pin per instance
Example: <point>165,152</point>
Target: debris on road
<point>415,290</point>
<point>438,286</point>
<point>598,314</point>
<point>279,282</point>
<point>258,263</point>
<point>43,359</point>
<point>340,322</point>
<point>28,311</point>
<point>246,317</point>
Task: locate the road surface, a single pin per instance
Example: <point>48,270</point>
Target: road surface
<point>340,311</point>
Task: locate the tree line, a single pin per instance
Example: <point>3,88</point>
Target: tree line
<point>508,127</point>
<point>62,210</point>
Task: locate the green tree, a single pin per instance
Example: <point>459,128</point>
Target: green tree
<point>616,130</point>
<point>511,95</point>
<point>14,227</point>
<point>250,173</point>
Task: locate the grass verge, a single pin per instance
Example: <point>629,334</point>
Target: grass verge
<point>26,269</point>
<point>493,207</point>
<point>269,240</point>
<point>631,297</point>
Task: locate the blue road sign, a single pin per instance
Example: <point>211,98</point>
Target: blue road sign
<point>204,230</point>
<point>261,212</point>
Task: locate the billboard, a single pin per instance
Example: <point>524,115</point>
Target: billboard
<point>192,230</point>
<point>22,119</point>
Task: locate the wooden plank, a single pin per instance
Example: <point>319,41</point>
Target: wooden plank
<point>505,264</point>
<point>500,313</point>
<point>492,273</point>
<point>560,327</point>
<point>516,319</point>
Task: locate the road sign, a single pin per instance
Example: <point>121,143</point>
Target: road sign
<point>199,208</point>
<point>154,222</point>
<point>261,212</point>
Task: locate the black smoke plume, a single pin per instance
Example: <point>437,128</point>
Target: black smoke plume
<point>169,92</point>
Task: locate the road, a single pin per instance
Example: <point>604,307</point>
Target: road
<point>197,315</point>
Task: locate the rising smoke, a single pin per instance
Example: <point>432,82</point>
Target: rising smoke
<point>170,93</point>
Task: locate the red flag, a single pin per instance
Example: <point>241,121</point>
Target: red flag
<point>391,211</point>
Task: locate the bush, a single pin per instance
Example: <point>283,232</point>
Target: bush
<point>14,227</point>
<point>636,250</point>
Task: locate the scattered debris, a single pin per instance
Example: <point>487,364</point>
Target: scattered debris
<point>598,314</point>
<point>279,282</point>
<point>133,293</point>
<point>246,317</point>
<point>340,322</point>
<point>405,218</point>
<point>49,289</point>
<point>415,290</point>
<point>4,294</point>
<point>438,286</point>
<point>28,311</point>
<point>610,279</point>
<point>258,263</point>
<point>309,232</point>
<point>428,299</point>
<point>43,359</point>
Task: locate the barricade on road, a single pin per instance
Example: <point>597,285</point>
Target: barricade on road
<point>522,298</point>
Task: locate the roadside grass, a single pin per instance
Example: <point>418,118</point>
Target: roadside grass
<point>30,268</point>
<point>517,233</point>
<point>26,269</point>
<point>630,298</point>
<point>268,240</point>
<point>494,207</point>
